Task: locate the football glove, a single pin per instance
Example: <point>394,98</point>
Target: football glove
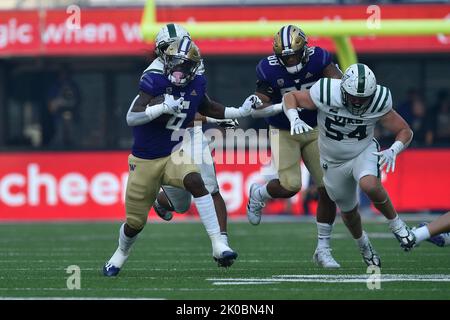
<point>252,102</point>
<point>224,123</point>
<point>388,156</point>
<point>172,105</point>
<point>297,126</point>
<point>387,159</point>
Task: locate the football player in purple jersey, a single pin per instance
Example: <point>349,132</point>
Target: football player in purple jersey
<point>294,66</point>
<point>165,106</point>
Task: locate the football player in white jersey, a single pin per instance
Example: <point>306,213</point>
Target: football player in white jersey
<point>175,199</point>
<point>348,110</point>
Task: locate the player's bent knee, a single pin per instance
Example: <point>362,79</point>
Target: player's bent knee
<point>136,222</point>
<point>292,184</point>
<point>193,183</point>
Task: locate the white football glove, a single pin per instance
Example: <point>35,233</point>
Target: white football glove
<point>297,125</point>
<point>172,105</point>
<point>252,102</point>
<point>387,158</point>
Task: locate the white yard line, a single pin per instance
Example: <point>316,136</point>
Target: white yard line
<point>323,278</point>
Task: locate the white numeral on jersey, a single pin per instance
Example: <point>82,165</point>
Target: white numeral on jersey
<point>175,122</point>
<point>273,60</point>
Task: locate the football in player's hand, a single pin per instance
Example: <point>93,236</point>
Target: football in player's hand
<point>157,100</point>
<point>164,117</point>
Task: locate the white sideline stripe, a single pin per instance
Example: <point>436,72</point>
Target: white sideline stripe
<point>324,278</point>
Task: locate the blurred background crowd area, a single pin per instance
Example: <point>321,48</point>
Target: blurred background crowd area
<point>79,101</point>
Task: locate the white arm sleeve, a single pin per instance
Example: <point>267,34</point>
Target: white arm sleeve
<point>232,113</point>
<point>268,111</point>
<point>140,118</point>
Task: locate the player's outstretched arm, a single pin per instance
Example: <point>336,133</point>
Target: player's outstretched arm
<point>224,123</point>
<point>298,99</point>
<point>217,110</point>
<point>393,122</point>
<point>146,108</point>
<point>293,100</point>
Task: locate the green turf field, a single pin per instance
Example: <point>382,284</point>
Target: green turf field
<point>173,261</point>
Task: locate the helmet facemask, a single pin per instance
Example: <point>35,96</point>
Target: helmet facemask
<point>358,88</point>
<point>354,104</point>
<point>180,70</point>
<point>290,47</point>
<point>181,61</point>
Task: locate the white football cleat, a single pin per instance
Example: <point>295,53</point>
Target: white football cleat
<point>113,266</point>
<point>405,236</point>
<point>223,254</point>
<point>323,258</point>
<point>370,256</point>
<point>254,206</point>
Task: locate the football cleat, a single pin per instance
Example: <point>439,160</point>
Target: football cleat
<point>370,256</point>
<point>406,237</point>
<point>162,212</point>
<point>323,258</point>
<point>109,270</point>
<point>226,259</point>
<point>223,254</point>
<point>254,206</point>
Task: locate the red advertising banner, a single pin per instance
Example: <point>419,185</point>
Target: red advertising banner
<point>91,185</point>
<point>117,31</point>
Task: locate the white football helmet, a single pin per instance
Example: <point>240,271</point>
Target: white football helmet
<point>358,87</point>
<point>168,34</point>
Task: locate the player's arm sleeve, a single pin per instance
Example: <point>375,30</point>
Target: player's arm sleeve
<point>388,106</point>
<point>383,102</point>
<point>269,111</point>
<point>134,117</point>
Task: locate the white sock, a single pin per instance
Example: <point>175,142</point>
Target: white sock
<point>125,242</point>
<point>224,237</point>
<point>118,258</point>
<point>362,242</point>
<point>396,223</point>
<point>421,234</point>
<point>262,194</point>
<point>323,234</point>
<point>207,212</point>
